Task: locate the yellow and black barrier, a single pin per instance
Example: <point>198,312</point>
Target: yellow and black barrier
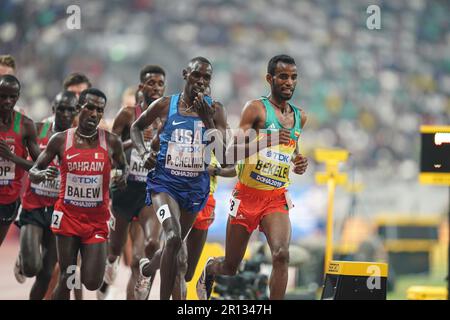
<point>355,280</point>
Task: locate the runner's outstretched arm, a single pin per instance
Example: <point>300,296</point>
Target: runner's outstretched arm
<point>30,143</point>
<point>120,124</point>
<point>40,170</point>
<point>245,143</point>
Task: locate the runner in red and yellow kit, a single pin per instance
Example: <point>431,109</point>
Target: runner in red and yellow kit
<point>17,139</point>
<point>81,212</point>
<point>260,197</point>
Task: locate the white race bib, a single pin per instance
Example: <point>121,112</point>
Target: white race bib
<point>56,219</point>
<point>233,206</point>
<point>7,172</point>
<point>163,213</point>
<point>84,190</point>
<point>137,170</point>
<point>185,157</point>
<point>47,188</point>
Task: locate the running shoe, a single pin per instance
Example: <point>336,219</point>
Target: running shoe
<point>20,277</point>
<point>143,283</point>
<point>205,283</point>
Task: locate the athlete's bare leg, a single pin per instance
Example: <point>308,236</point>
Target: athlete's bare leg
<point>93,257</point>
<point>53,281</point>
<point>194,247</point>
<point>175,228</point>
<point>277,229</point>
<point>235,245</point>
<point>49,258</point>
<point>30,249</point>
<point>67,248</point>
<point>117,237</point>
<point>78,293</point>
<point>128,249</point>
<point>137,241</point>
<point>152,230</point>
<point>145,241</point>
<point>180,290</point>
<point>195,243</point>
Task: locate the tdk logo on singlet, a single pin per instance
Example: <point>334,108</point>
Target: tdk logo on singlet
<point>278,156</point>
<point>85,180</point>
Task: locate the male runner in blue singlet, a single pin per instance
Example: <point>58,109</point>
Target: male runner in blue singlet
<point>178,187</point>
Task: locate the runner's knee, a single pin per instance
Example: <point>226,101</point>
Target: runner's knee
<point>92,283</point>
<point>280,256</point>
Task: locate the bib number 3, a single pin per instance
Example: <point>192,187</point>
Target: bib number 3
<point>234,206</point>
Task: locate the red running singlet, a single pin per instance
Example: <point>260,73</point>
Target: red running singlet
<point>82,208</point>
<point>45,193</point>
<point>10,173</point>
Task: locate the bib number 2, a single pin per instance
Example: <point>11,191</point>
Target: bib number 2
<point>56,219</point>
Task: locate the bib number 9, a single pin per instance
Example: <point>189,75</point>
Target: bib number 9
<point>163,213</point>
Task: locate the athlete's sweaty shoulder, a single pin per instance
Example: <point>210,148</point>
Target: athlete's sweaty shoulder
<point>28,126</point>
<point>253,115</point>
<point>57,143</point>
<point>29,136</point>
<point>126,114</point>
<point>162,104</point>
<point>303,115</point>
<point>161,107</point>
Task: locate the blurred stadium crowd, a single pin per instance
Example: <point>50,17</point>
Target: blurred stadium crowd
<point>364,90</point>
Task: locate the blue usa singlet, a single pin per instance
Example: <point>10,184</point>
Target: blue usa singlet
<point>181,170</point>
